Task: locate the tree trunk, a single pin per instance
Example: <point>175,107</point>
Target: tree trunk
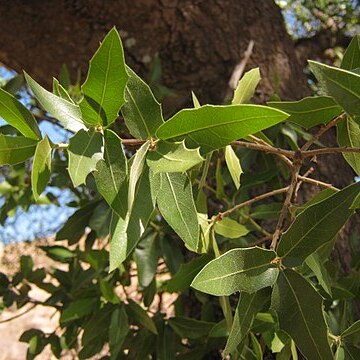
<point>199,42</point>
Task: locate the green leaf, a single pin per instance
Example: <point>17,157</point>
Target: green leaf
<point>105,84</point>
<point>190,328</point>
<point>142,113</point>
<point>316,225</point>
<point>100,220</point>
<point>125,232</point>
<point>118,330</point>
<point>186,274</point>
<point>195,100</point>
<point>300,312</point>
<point>78,309</point>
<point>166,349</point>
<point>314,262</point>
<point>249,270</point>
<point>347,352</point>
<point>66,112</point>
<point>173,157</point>
<point>348,134</point>
<point>85,151</point>
<point>248,306</point>
<point>59,91</point>
<point>351,59</point>
<point>15,149</point>
<point>246,87</point>
<point>230,228</point>
<point>233,164</point>
<point>135,311</point>
<point>342,85</point>
<point>146,256</point>
<point>74,227</point>
<point>176,205</point>
<point>14,85</point>
<point>310,111</point>
<point>111,173</point>
<point>58,253</point>
<point>41,169</point>
<point>267,211</point>
<point>213,127</point>
<point>351,330</point>
<point>18,116</point>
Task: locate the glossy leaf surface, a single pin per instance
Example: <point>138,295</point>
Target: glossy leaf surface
<point>212,127</point>
<point>66,112</point>
<point>105,83</point>
<point>310,111</point>
<point>142,112</point>
<point>243,269</point>
<point>173,157</point>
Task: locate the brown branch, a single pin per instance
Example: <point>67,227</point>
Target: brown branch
<point>18,315</point>
<point>322,131</point>
<point>265,148</point>
<point>221,215</point>
<point>345,149</point>
<point>317,182</point>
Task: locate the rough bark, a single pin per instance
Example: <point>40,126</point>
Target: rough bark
<point>199,42</point>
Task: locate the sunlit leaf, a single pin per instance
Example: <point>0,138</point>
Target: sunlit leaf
<point>212,127</point>
<point>243,269</point>
<point>41,169</point>
<point>246,87</point>
<point>105,83</point>
<point>15,149</point>
<point>142,113</point>
<point>172,157</point>
<point>233,164</point>
<point>230,228</point>
<point>18,116</point>
<point>310,111</point>
<point>85,151</point>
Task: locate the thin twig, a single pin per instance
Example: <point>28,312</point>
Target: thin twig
<point>322,131</point>
<point>317,182</point>
<point>18,315</point>
<point>311,153</point>
<point>265,148</point>
<point>221,215</point>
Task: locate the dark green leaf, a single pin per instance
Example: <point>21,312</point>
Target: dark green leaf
<point>111,172</point>
<point>78,309</point>
<point>348,134</point>
<point>248,269</point>
<point>351,59</point>
<point>248,306</point>
<point>351,330</point>
<point>74,227</point>
<point>119,328</point>
<point>142,113</point>
<point>230,228</point>
<point>166,349</point>
<point>41,169</point>
<point>171,253</point>
<point>58,253</point>
<point>13,85</point>
<point>342,85</point>
<point>15,149</point>
<point>347,352</point>
<point>136,312</point>
<point>267,211</point>
<point>176,204</point>
<point>316,225</point>
<point>100,220</point>
<point>300,311</point>
<point>105,83</point>
<point>213,127</point>
<point>85,151</point>
<point>246,87</point>
<point>187,272</point>
<point>66,112</point>
<point>190,328</point>
<point>146,256</point>
<point>173,157</point>
<point>18,116</point>
<point>310,111</point>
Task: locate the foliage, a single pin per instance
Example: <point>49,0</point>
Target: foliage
<point>162,202</point>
